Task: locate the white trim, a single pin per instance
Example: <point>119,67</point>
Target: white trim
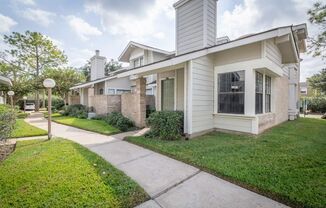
<point>190,96</point>
<point>193,55</point>
<point>215,90</point>
<point>175,88</point>
<point>185,97</point>
<point>92,83</point>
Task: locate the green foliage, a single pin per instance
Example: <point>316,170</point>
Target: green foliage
<point>22,115</point>
<point>28,55</point>
<point>286,162</point>
<point>24,129</point>
<point>318,81</point>
<point>166,125</point>
<point>317,104</point>
<point>65,78</point>
<point>77,110</point>
<point>57,103</point>
<point>60,173</point>
<point>117,120</point>
<point>112,66</point>
<point>317,16</point>
<point>7,121</point>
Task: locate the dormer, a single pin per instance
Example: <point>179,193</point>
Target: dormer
<point>97,66</point>
<point>137,54</point>
<point>195,25</point>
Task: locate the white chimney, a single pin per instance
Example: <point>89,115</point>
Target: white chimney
<point>97,66</point>
<point>195,25</point>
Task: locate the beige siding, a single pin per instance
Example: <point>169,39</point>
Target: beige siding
<point>122,83</point>
<point>234,123</point>
<point>239,54</point>
<point>202,94</point>
<point>272,52</point>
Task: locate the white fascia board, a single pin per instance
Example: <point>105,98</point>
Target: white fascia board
<point>196,54</point>
<point>91,83</point>
<point>5,80</point>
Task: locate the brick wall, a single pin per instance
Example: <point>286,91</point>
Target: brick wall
<point>104,104</point>
<point>73,99</point>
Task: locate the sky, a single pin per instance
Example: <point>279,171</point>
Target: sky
<point>80,27</point>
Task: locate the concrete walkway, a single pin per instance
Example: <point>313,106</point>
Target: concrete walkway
<point>169,183</point>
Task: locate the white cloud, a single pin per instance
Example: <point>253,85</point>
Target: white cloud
<point>253,16</point>
<point>58,43</point>
<point>78,57</point>
<point>39,16</point>
<point>134,24</point>
<point>6,23</point>
<point>82,28</point>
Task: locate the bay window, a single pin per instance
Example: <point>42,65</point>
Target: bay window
<point>231,92</point>
<point>259,92</point>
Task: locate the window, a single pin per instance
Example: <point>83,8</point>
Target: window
<point>101,91</point>
<point>259,92</point>
<point>231,92</point>
<point>122,91</point>
<point>141,61</point>
<point>268,92</point>
<point>111,91</point>
<point>136,62</point>
<point>167,94</point>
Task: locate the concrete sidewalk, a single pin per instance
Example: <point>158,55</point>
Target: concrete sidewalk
<point>169,182</point>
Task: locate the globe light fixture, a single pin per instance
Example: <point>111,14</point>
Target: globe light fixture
<point>49,84</point>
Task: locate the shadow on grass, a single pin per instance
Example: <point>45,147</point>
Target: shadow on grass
<point>129,193</point>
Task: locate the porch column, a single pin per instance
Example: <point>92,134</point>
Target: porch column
<point>90,95</point>
<point>140,92</point>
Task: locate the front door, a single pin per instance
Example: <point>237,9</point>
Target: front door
<point>167,98</point>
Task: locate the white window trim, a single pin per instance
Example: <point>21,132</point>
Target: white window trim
<point>264,94</point>
<point>216,73</point>
<point>116,89</point>
<point>175,90</point>
<point>138,58</point>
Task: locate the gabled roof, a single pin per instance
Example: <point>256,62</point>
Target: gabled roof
<point>124,57</point>
<point>244,40</point>
<point>5,80</point>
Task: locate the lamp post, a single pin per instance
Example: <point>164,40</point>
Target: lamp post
<point>24,98</point>
<point>49,84</point>
<point>11,94</point>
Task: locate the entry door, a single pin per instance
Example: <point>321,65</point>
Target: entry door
<point>167,94</point>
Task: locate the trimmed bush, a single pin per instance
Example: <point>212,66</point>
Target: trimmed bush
<point>165,125</point>
<point>7,121</point>
<point>317,104</point>
<point>78,111</point>
<point>22,115</point>
<point>117,120</point>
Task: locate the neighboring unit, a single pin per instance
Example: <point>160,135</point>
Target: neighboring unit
<point>247,85</point>
<point>4,81</point>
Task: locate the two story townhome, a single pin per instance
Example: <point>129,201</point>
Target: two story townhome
<point>246,85</point>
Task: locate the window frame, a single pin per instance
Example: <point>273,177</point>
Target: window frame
<point>218,92</point>
<point>268,94</point>
<point>258,92</point>
<point>175,91</point>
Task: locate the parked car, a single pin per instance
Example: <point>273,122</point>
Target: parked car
<point>30,106</point>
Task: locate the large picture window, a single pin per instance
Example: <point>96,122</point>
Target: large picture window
<point>259,92</point>
<point>268,92</point>
<point>231,92</point>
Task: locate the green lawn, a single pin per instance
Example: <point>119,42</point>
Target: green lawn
<point>287,163</point>
<point>24,129</point>
<point>98,126</point>
<point>60,173</point>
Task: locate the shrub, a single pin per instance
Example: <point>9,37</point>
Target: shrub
<point>22,115</point>
<point>57,103</point>
<point>117,120</point>
<point>317,104</point>
<point>7,121</point>
<point>78,111</point>
<point>166,125</point>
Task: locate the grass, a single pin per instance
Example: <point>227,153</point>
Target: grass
<point>24,129</point>
<point>60,173</point>
<point>287,163</point>
<point>98,126</point>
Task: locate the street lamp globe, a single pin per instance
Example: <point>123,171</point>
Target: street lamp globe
<point>49,83</point>
<point>11,93</point>
<point>24,98</point>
